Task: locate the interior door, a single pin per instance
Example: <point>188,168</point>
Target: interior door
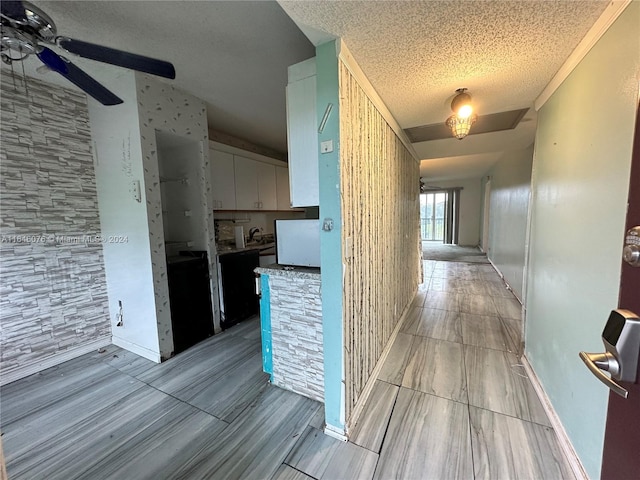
<point>621,457</point>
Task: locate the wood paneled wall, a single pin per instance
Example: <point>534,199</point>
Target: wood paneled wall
<point>380,195</point>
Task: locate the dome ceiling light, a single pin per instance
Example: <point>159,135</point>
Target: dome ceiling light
<point>463,116</point>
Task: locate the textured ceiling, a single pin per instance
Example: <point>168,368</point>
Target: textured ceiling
<point>234,55</point>
<point>417,53</point>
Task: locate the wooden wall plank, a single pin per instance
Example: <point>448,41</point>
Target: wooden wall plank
<point>380,222</point>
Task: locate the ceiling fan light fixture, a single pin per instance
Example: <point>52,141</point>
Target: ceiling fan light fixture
<point>463,117</point>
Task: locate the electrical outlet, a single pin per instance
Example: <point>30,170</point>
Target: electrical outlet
<point>119,315</point>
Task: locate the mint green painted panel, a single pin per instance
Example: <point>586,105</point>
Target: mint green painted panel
<point>510,189</point>
<point>580,182</point>
<point>330,241</point>
<point>265,325</point>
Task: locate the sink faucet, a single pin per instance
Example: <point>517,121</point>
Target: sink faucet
<point>252,232</point>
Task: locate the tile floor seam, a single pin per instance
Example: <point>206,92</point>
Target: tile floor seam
<point>298,470</point>
<point>433,395</point>
<point>512,416</point>
<point>176,398</point>
<point>395,400</point>
<point>473,464</point>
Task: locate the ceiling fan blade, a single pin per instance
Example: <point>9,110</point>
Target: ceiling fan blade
<point>117,57</point>
<point>13,10</point>
<point>76,76</point>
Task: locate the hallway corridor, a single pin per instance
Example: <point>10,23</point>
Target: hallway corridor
<point>451,402</point>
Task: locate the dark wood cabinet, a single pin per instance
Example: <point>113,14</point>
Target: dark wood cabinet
<point>190,299</point>
<point>239,299</point>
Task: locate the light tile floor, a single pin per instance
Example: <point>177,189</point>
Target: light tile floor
<point>451,402</point>
<point>464,406</point>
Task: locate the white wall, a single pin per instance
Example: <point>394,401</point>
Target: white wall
<point>165,109</point>
<point>470,206</point>
<point>118,162</point>
<point>580,182</point>
<point>126,151</point>
<point>510,189</point>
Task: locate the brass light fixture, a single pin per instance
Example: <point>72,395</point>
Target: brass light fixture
<point>463,117</point>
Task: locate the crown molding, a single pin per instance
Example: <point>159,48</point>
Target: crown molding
<point>609,15</point>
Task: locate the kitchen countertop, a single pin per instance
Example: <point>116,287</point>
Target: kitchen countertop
<point>286,271</point>
<point>262,247</point>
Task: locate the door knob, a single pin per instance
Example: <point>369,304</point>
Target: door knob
<point>631,255</point>
<point>621,339</point>
<point>631,251</point>
<point>597,362</point>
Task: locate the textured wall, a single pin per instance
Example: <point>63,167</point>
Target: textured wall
<point>510,188</point>
<point>580,183</point>
<point>54,298</point>
<point>126,151</point>
<point>118,161</point>
<point>164,108</point>
<point>296,332</point>
<point>380,232</point>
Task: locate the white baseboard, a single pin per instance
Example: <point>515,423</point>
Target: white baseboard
<point>563,439</point>
<point>366,391</point>
<point>335,433</point>
<point>56,359</point>
<point>137,349</point>
<point>505,282</point>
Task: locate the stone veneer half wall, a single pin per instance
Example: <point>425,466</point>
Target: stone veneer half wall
<point>296,332</point>
<point>54,299</point>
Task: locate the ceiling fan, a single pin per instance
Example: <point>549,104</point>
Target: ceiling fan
<point>26,30</point>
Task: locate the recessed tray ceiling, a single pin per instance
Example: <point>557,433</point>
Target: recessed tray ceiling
<point>493,122</point>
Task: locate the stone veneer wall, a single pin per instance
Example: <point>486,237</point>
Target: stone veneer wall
<point>54,299</point>
<point>296,332</point>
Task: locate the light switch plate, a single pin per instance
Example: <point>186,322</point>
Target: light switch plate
<point>326,146</point>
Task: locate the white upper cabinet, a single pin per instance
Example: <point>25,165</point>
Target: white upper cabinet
<point>222,184</point>
<point>246,184</point>
<point>255,184</point>
<point>302,134</point>
<point>282,188</point>
<point>242,180</point>
<point>267,193</point>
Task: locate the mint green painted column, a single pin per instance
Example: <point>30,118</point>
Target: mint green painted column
<point>265,325</point>
<point>330,241</point>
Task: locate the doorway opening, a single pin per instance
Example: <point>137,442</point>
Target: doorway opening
<point>439,216</point>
